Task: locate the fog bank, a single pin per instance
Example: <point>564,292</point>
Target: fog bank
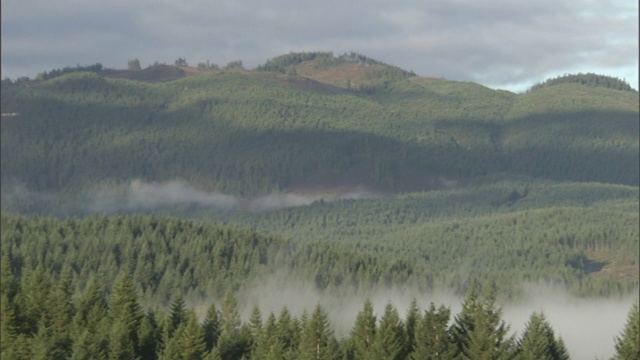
<point>167,197</point>
<point>587,326</point>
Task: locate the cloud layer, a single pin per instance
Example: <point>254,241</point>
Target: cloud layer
<point>507,44</point>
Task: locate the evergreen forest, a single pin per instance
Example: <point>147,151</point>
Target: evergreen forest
<point>140,207</point>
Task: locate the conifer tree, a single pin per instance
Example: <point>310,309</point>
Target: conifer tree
<point>36,285</point>
<point>211,327</point>
<point>254,328</point>
<point>288,332</point>
<point>60,314</point>
<point>121,343</point>
<point>432,339</point>
<point>8,283</point>
<point>628,343</point>
<point>41,344</point>
<point>317,341</point>
<point>7,325</point>
<point>411,320</point>
<point>178,314</point>
<point>92,306</point>
<point>92,326</point>
<point>391,337</point>
<point>364,332</point>
<point>149,337</point>
<point>192,339</point>
<point>86,346</point>
<point>268,344</point>
<point>126,313</point>
<point>478,330</point>
<point>230,344</point>
<point>255,321</point>
<point>538,341</point>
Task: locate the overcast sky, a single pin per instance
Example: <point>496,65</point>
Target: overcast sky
<point>508,44</point>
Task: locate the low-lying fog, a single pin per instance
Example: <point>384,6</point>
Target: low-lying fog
<point>587,326</point>
<point>138,195</point>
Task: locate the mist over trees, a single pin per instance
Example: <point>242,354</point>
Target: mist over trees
<point>143,209</point>
<point>44,313</point>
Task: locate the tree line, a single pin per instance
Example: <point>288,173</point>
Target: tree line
<point>44,318</point>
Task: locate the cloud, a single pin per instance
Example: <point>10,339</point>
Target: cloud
<point>497,43</point>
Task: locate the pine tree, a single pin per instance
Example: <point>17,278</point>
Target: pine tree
<point>391,337</point>
<point>87,347</point>
<point>8,283</point>
<point>36,286</point>
<point>149,337</point>
<point>317,341</point>
<point>538,340</point>
<point>268,344</point>
<point>411,321</point>
<point>41,344</point>
<point>126,313</point>
<point>60,314</point>
<point>7,325</point>
<point>121,343</point>
<point>628,343</point>
<point>211,327</point>
<point>178,314</point>
<point>92,306</point>
<point>230,344</point>
<point>432,340</point>
<point>254,328</point>
<point>364,332</point>
<point>288,332</point>
<point>192,339</point>
<point>479,332</point>
<point>91,324</point>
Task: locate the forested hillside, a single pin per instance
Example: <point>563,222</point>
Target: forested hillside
<point>257,132</point>
<point>128,194</point>
<point>76,289</point>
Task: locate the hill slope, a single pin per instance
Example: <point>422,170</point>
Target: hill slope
<point>422,175</point>
<point>256,132</point>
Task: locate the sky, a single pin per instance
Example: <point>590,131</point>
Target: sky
<point>506,44</point>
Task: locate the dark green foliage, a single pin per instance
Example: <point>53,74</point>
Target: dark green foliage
<point>538,341</point>
<point>95,68</point>
<point>478,331</point>
<point>317,341</point>
<point>411,322</point>
<point>363,334</point>
<point>588,79</point>
<point>432,338</point>
<point>233,343</point>
<point>126,314</point>
<point>211,327</point>
<point>288,332</point>
<point>178,314</point>
<point>477,328</point>
<point>82,132</point>
<point>280,63</point>
<point>133,65</point>
<point>391,337</point>
<point>628,343</point>
<point>535,187</point>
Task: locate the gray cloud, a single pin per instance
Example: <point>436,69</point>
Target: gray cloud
<point>497,43</point>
